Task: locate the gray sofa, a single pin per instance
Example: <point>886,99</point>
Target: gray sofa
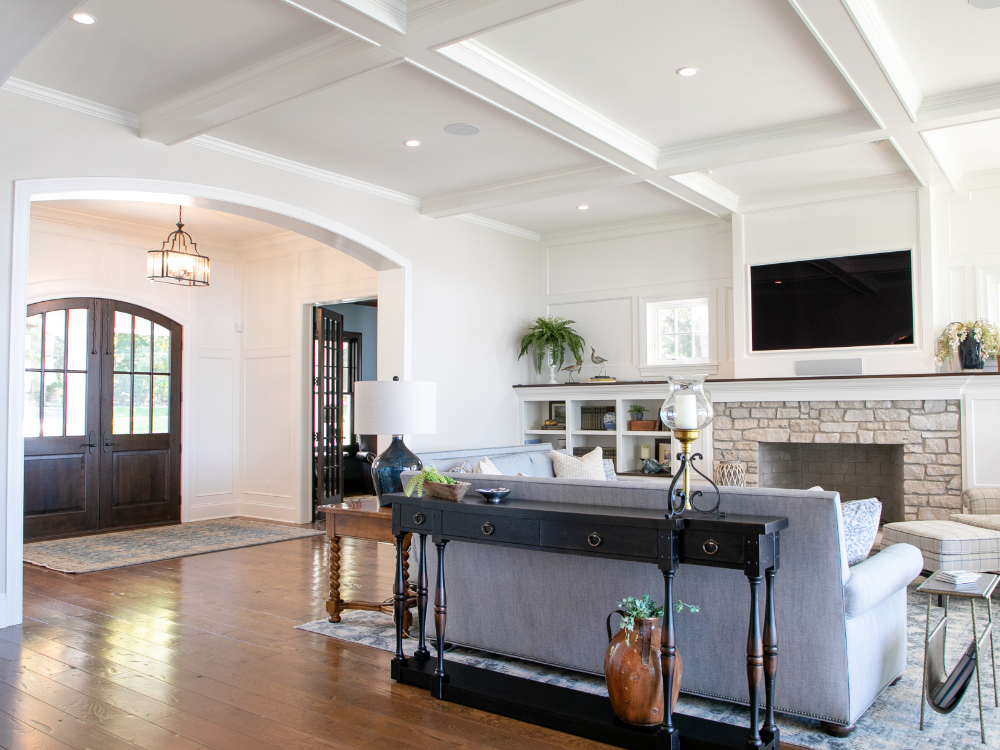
<point>841,630</point>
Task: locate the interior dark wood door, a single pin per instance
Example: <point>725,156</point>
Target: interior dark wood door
<point>61,418</point>
<point>140,417</point>
<point>101,417</point>
<point>328,407</point>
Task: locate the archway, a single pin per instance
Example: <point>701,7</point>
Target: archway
<point>307,223</point>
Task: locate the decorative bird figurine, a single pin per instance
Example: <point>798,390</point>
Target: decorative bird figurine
<point>598,361</point>
<point>571,369</point>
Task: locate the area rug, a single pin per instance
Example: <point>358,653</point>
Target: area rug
<point>86,554</point>
<point>892,723</point>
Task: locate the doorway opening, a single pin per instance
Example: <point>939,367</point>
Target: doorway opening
<point>101,417</point>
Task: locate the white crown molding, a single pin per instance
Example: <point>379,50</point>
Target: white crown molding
<point>987,178</point>
<point>874,29</point>
<point>529,188</point>
<point>709,188</point>
<point>960,107</point>
<point>807,135</point>
<point>305,170</point>
<point>480,59</point>
<point>634,228</point>
<point>499,226</point>
<point>42,93</point>
<point>419,8</point>
<point>892,183</point>
<point>943,156</point>
<point>391,13</point>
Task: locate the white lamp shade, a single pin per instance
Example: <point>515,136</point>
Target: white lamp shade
<point>395,407</point>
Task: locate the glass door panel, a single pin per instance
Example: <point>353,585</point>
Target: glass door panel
<point>141,400</point>
<point>55,377</point>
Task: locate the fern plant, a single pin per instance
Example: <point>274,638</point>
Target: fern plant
<point>553,335</point>
<point>430,474</point>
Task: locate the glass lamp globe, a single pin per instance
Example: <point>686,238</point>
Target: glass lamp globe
<point>689,407</point>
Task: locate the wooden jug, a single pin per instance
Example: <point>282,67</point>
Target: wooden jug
<point>632,670</point>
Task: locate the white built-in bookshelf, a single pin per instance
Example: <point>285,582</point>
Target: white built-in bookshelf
<point>534,402</point>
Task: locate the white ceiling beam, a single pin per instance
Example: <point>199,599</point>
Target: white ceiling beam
<point>943,156</point>
<point>313,66</point>
<point>709,189</point>
<point>26,24</point>
<point>873,27</point>
<point>531,188</point>
<point>960,108</point>
<point>799,137</point>
<point>835,30</point>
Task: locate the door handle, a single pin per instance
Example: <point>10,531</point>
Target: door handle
<point>92,444</point>
<point>107,442</point>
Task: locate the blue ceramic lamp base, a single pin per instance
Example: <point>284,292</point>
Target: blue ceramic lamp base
<point>390,464</point>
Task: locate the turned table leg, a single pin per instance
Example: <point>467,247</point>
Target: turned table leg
<point>440,612</point>
<point>334,605</point>
<point>407,615</point>
<point>770,652</point>
<point>422,652</point>
<point>399,597</point>
<point>755,664</point>
<point>668,662</point>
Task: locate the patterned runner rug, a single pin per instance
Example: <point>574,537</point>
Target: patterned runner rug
<point>86,554</point>
<point>892,723</point>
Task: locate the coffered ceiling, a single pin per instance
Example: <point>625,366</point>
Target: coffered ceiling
<point>576,102</point>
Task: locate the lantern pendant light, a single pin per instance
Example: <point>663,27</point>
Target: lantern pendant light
<point>178,261</point>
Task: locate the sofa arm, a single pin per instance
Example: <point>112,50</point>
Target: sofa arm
<point>981,501</point>
<point>880,576</point>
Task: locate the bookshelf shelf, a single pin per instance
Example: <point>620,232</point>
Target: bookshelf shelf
<point>545,432</point>
<point>595,432</point>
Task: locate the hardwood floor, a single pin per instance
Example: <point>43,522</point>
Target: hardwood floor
<point>201,653</point>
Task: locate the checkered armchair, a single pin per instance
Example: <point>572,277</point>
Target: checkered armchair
<point>981,501</point>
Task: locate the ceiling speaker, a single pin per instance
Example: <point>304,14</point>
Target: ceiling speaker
<point>985,3</point>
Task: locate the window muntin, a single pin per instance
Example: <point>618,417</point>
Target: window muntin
<point>55,377</point>
<point>141,386</point>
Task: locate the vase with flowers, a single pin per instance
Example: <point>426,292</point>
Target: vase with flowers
<point>975,342</point>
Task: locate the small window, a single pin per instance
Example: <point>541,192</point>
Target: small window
<point>677,332</point>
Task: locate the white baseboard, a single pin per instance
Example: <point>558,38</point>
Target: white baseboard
<point>209,511</point>
<point>268,512</point>
<point>11,615</point>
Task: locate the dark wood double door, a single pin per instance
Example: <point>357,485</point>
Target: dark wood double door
<point>101,417</point>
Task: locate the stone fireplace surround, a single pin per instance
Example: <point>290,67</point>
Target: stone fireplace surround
<point>906,452</point>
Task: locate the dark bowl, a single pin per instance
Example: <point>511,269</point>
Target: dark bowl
<point>494,495</point>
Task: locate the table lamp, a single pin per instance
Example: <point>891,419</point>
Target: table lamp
<point>394,407</point>
<point>686,412</point>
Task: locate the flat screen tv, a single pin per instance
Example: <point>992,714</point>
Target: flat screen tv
<point>856,300</point>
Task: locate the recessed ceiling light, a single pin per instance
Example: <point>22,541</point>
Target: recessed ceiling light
<point>687,72</point>
<point>582,208</point>
<point>411,144</point>
<point>708,171</point>
<point>85,18</point>
<point>461,128</point>
<point>777,282</point>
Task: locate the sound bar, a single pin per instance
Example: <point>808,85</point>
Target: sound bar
<point>822,367</point>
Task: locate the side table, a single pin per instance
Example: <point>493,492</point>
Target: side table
<point>982,589</point>
<point>362,518</point>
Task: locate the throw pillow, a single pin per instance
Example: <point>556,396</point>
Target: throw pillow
<point>609,470</point>
<point>485,466</point>
<point>861,519</point>
<point>590,466</point>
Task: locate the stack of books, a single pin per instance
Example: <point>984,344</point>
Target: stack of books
<point>592,417</point>
<point>958,577</point>
<point>583,450</point>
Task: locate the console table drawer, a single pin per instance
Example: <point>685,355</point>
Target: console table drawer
<point>414,519</point>
<point>711,547</point>
<point>601,538</point>
<point>488,526</point>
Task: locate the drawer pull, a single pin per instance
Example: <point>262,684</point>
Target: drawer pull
<point>419,518</point>
<point>594,539</point>
<point>488,528</point>
<point>710,547</point>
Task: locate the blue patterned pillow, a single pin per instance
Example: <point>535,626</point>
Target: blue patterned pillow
<point>861,519</point>
<point>609,470</point>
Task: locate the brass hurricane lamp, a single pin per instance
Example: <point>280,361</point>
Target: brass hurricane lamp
<point>686,412</point>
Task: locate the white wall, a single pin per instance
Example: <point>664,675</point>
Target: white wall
<point>601,278</point>
<point>472,288</point>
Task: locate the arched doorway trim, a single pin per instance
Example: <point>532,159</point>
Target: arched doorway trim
<point>305,222</point>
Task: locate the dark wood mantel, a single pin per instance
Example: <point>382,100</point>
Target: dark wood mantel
<point>769,380</point>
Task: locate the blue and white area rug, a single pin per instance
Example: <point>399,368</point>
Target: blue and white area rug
<point>892,723</point>
<point>86,554</point>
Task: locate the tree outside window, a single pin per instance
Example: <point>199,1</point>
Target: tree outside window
<point>677,332</point>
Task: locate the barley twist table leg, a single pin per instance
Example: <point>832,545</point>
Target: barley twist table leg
<point>334,605</point>
<point>407,615</point>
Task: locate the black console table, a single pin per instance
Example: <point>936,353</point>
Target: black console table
<point>747,543</point>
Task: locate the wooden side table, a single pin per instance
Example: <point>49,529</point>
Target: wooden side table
<point>362,518</point>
